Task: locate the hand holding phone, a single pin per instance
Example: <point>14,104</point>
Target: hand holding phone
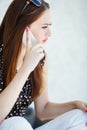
<point>32,39</point>
<point>34,54</point>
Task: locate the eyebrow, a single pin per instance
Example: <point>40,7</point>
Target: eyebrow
<point>47,24</point>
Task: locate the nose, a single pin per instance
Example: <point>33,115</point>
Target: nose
<point>49,32</point>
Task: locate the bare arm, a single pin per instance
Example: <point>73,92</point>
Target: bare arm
<point>9,96</point>
<point>49,110</point>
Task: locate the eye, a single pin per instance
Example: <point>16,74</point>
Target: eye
<point>44,27</point>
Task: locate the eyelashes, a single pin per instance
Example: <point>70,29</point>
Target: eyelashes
<point>44,27</point>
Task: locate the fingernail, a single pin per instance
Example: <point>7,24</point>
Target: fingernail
<point>27,29</point>
<point>86,111</point>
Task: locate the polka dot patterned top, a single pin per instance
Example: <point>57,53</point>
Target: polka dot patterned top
<point>24,99</point>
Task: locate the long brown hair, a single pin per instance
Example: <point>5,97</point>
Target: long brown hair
<point>11,32</point>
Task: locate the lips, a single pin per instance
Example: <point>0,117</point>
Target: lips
<point>45,40</point>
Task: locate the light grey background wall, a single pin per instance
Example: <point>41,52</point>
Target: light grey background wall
<point>67,49</point>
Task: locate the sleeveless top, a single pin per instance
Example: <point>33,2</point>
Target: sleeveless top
<point>24,99</point>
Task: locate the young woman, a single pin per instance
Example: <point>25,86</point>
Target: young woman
<point>23,71</point>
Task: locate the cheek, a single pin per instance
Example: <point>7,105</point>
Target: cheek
<point>39,35</point>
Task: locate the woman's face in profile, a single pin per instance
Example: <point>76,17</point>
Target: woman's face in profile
<point>41,27</point>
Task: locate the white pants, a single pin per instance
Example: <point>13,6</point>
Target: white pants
<point>72,120</point>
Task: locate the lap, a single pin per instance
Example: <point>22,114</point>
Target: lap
<point>71,120</point>
<point>15,123</point>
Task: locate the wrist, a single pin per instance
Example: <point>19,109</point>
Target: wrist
<point>75,104</point>
<point>26,68</point>
<point>25,71</point>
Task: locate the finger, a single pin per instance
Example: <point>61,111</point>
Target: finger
<point>41,55</point>
<point>40,50</point>
<point>86,123</point>
<point>28,42</point>
<point>38,46</point>
<point>84,108</point>
<point>86,104</point>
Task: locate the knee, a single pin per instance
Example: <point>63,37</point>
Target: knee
<point>15,123</point>
<point>78,116</point>
<point>78,113</point>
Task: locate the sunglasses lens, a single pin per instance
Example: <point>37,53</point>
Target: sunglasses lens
<point>36,2</point>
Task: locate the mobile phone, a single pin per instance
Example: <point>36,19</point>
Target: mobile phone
<point>32,38</point>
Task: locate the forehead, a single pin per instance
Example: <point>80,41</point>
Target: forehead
<point>44,18</point>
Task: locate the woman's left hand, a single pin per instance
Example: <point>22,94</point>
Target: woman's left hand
<point>81,105</point>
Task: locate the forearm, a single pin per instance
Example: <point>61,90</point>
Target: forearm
<point>9,96</point>
<point>53,110</point>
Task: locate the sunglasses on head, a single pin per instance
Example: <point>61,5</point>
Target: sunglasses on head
<point>35,2</point>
